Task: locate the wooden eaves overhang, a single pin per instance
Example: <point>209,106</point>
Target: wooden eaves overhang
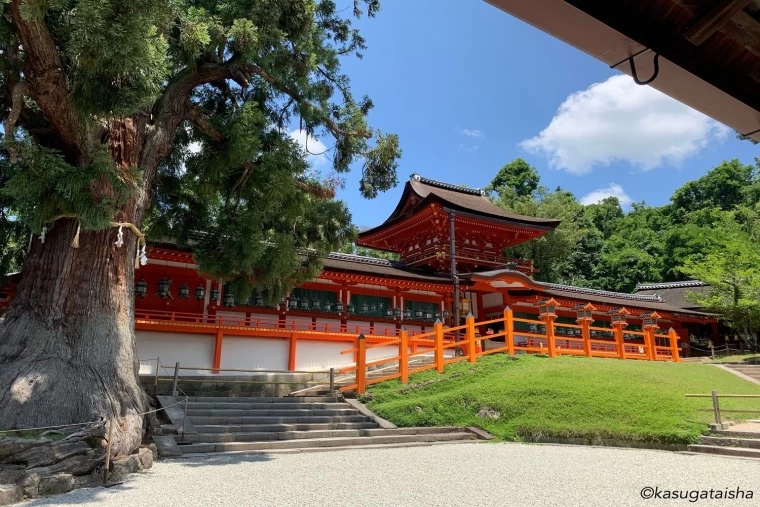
<point>419,227</point>
<point>569,297</point>
<point>707,51</point>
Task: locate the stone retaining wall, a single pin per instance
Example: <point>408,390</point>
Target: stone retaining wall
<point>30,468</point>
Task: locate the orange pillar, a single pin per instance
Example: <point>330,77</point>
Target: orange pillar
<point>509,328</point>
<point>218,351</point>
<point>403,356</point>
<point>470,336</point>
<point>549,322</point>
<point>292,353</point>
<point>361,364</point>
<point>674,344</point>
<point>586,332</point>
<point>649,343</point>
<point>619,339</point>
<point>438,328</point>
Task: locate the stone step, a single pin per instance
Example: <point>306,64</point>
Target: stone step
<point>199,405</point>
<point>226,428</point>
<point>324,442</point>
<point>749,443</point>
<point>192,413</point>
<point>254,399</point>
<point>262,436</point>
<point>201,420</point>
<point>737,434</point>
<point>741,452</point>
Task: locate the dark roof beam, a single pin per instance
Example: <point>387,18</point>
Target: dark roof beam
<point>705,24</point>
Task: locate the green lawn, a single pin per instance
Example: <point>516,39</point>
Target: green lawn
<point>568,397</point>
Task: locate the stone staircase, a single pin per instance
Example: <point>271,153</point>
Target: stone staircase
<point>750,370</point>
<point>219,425</point>
<point>741,440</point>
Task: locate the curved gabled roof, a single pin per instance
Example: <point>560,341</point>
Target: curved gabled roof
<point>419,192</point>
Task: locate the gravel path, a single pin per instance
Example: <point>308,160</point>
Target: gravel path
<point>444,475</point>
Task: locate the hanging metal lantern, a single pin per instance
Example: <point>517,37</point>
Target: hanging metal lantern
<point>163,287</point>
<point>436,315</point>
<point>215,294</point>
<point>229,298</point>
<point>293,303</point>
<point>351,308</point>
<point>389,312</point>
<point>418,314</point>
<point>339,307</point>
<point>364,308</point>
<point>328,307</point>
<point>184,291</point>
<point>200,292</point>
<point>316,304</point>
<point>141,288</point>
<point>445,314</point>
<point>259,299</point>
<point>428,315</point>
<point>304,304</point>
<point>397,312</point>
<point>373,308</point>
<point>407,314</point>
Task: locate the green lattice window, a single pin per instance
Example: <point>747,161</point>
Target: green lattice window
<point>423,311</point>
<point>314,300</point>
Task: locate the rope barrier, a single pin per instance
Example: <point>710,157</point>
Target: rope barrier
<point>83,424</point>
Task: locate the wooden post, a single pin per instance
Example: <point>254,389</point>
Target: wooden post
<point>509,329</point>
<point>470,336</point>
<point>716,409</point>
<point>438,328</point>
<point>674,344</point>
<point>549,323</point>
<point>403,355</point>
<point>218,351</point>
<point>650,343</point>
<point>361,364</point>
<point>155,381</point>
<point>586,332</point>
<point>619,339</point>
<point>292,352</point>
<point>176,379</point>
<point>108,450</point>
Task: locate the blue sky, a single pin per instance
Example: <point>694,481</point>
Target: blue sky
<point>469,88</point>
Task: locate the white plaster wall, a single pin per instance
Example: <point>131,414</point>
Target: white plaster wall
<point>381,353</point>
<point>384,328</point>
<point>352,326</point>
<point>300,322</point>
<point>313,354</point>
<point>231,318</point>
<point>494,299</point>
<point>189,349</point>
<point>333,325</point>
<point>254,354</point>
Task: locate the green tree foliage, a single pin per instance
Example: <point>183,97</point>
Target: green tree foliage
<point>600,245</point>
<point>179,115</point>
<point>733,273</point>
<point>518,176</point>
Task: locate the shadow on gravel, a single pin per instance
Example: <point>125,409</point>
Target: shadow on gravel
<point>82,496</point>
<point>206,461</point>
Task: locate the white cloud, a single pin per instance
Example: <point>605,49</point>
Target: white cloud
<point>476,133</point>
<point>618,120</point>
<point>612,190</point>
<point>469,148</point>
<point>316,149</point>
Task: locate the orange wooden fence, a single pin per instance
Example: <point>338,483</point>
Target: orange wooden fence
<point>643,345</point>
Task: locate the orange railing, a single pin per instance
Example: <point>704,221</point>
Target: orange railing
<point>558,339</point>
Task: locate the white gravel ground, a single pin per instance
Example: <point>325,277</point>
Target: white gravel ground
<point>444,475</point>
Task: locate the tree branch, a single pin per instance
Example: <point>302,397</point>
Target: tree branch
<point>44,74</point>
<point>194,115</point>
<point>20,89</point>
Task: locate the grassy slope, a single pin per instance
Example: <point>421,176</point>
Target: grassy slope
<point>565,397</point>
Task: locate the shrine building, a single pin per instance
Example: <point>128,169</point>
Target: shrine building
<point>450,242</point>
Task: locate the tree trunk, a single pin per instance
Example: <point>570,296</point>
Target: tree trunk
<point>67,346</point>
